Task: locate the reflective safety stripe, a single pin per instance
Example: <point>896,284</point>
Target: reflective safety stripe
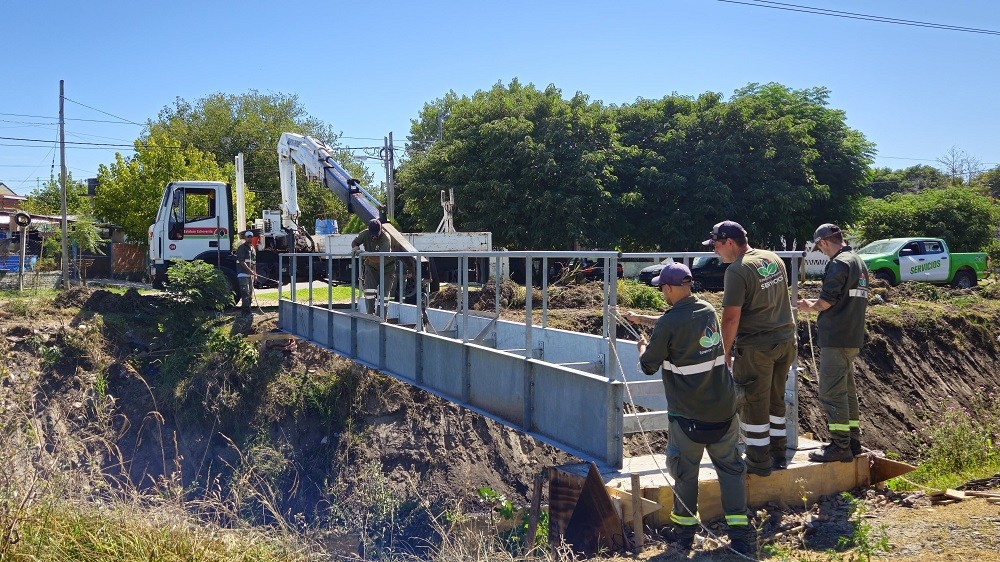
<point>683,520</point>
<point>854,423</point>
<point>863,293</point>
<point>732,520</point>
<point>777,421</point>
<point>778,432</point>
<point>760,428</point>
<point>840,427</point>
<point>762,442</point>
<point>697,368</point>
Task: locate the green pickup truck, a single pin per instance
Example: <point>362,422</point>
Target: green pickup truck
<point>923,259</point>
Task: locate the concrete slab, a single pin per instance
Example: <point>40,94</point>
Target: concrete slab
<point>802,478</point>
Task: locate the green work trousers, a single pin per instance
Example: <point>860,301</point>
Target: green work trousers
<point>838,394</point>
<point>760,373</point>
<point>371,282</point>
<point>683,462</point>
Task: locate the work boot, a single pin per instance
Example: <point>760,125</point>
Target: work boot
<point>743,540</point>
<point>832,453</point>
<point>758,470</point>
<point>856,448</point>
<point>779,463</point>
<point>684,537</point>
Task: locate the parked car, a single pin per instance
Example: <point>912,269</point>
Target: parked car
<point>708,273</point>
<point>647,274</point>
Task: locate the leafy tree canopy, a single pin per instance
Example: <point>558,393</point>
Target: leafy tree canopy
<point>541,171</point>
<point>131,188</point>
<point>886,181</point>
<point>46,199</point>
<point>526,164</point>
<point>225,125</point>
<point>964,217</point>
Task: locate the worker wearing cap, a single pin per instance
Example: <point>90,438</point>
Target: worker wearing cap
<point>686,347</point>
<point>757,328</point>
<point>376,239</point>
<point>841,305</point>
<point>246,258</point>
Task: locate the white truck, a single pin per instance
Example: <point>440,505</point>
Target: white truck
<point>196,221</point>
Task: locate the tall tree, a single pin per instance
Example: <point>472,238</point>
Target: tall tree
<point>886,181</point>
<point>131,188</point>
<point>47,198</point>
<point>526,164</point>
<point>966,218</point>
<point>225,125</point>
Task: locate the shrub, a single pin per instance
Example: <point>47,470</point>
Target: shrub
<point>632,294</point>
<point>199,284</point>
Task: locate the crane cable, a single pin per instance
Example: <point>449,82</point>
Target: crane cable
<point>614,350</point>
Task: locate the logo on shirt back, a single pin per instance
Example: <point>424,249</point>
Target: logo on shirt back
<point>766,267</point>
<point>710,339</point>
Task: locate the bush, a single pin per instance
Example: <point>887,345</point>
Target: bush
<point>632,294</point>
<point>199,284</point>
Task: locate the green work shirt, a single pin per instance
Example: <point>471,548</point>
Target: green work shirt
<point>686,345</point>
<point>380,243</point>
<point>845,287</point>
<point>758,283</point>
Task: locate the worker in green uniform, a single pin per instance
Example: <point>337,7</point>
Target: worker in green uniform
<point>757,329</point>
<point>246,259</point>
<point>376,239</point>
<point>701,402</point>
<point>841,305</point>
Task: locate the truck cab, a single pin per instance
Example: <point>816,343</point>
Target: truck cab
<point>194,221</point>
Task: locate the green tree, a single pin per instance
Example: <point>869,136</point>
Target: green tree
<point>990,181</point>
<point>131,188</point>
<point>526,164</point>
<point>47,198</point>
<point>225,125</point>
<point>964,217</point>
<point>886,181</point>
<point>777,160</point>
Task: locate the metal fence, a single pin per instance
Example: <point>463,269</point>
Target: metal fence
<point>578,392</point>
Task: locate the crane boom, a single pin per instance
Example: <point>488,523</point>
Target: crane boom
<point>320,165</point>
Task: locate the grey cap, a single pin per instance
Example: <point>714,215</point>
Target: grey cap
<point>825,231</point>
<point>248,234</point>
<point>374,227</point>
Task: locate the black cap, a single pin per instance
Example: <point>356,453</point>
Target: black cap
<point>825,231</point>
<point>374,227</point>
<point>723,230</point>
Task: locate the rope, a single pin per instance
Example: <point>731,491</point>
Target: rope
<point>649,448</point>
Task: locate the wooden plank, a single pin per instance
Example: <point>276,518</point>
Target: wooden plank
<point>595,525</point>
<point>980,494</point>
<point>648,505</point>
<point>955,494</point>
<point>637,529</point>
<point>268,336</point>
<point>536,506</point>
<point>564,491</point>
<point>883,469</point>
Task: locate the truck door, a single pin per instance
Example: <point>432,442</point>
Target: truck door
<point>194,225</point>
<point>935,261</point>
<point>910,262</point>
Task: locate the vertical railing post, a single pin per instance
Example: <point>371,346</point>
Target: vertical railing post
<point>545,292</point>
<point>792,384</point>
<point>527,307</point>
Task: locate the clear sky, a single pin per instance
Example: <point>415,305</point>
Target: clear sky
<point>367,68</point>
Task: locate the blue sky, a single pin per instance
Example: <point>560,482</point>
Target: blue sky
<point>367,68</point>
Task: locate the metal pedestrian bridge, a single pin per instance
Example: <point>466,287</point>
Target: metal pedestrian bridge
<point>580,393</point>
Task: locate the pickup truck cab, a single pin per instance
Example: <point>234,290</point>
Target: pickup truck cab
<point>895,260</point>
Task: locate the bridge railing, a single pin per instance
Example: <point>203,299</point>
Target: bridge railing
<point>578,392</point>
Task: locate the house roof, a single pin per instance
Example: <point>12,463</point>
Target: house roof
<point>4,190</point>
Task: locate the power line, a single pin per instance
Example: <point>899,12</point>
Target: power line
<point>104,112</point>
<point>70,119</point>
<point>857,16</point>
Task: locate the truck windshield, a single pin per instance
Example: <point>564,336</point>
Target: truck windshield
<point>881,247</point>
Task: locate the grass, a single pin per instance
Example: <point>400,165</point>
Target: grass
<point>341,293</point>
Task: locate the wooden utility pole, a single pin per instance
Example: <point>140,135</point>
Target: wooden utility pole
<point>62,184</point>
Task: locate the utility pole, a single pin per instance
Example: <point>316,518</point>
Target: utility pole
<point>62,184</point>
<point>388,161</point>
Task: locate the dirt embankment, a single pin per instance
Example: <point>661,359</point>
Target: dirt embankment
<point>923,357</point>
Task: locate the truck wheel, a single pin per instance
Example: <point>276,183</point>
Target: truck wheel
<point>886,276</point>
<point>964,279</point>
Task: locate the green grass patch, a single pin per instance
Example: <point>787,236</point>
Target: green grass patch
<point>341,293</point>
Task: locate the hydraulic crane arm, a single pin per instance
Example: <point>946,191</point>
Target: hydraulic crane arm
<point>319,164</point>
